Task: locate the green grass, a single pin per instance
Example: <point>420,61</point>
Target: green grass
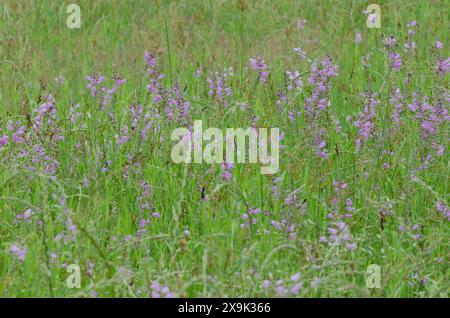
<point>219,258</point>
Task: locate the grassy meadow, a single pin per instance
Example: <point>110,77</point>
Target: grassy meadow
<point>86,175</point>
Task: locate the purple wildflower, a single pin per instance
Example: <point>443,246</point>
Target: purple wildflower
<point>18,135</point>
<point>296,289</point>
<point>227,171</point>
<point>18,252</point>
<point>390,42</point>
<point>294,80</point>
<point>411,24</point>
<point>396,60</point>
<point>443,66</point>
<point>281,291</point>
<point>444,209</point>
<point>158,291</point>
<point>321,151</point>
<point>156,215</point>
<point>301,24</point>
<point>298,51</point>
<point>261,67</point>
<point>94,83</point>
<point>296,277</point>
<point>266,284</point>
<point>3,140</point>
<point>218,88</point>
<point>365,122</point>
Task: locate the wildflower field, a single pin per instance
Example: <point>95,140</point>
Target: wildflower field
<point>359,204</point>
